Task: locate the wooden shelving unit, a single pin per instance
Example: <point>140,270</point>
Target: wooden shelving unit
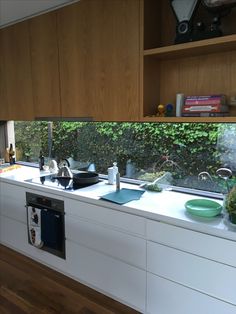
<point>196,48</point>
<point>189,119</point>
<point>195,68</point>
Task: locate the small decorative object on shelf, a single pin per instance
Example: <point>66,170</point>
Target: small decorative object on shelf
<point>230,205</point>
<point>169,110</point>
<point>179,104</point>
<point>232,101</point>
<point>160,110</point>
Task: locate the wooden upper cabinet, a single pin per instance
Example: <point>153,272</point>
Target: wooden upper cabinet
<point>45,71</point>
<point>3,90</point>
<point>15,76</point>
<point>99,59</point>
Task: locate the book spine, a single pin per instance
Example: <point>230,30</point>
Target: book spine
<point>205,100</point>
<point>212,101</point>
<point>205,108</point>
<point>206,114</point>
<point>222,96</point>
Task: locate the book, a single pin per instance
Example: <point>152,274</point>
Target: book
<point>206,114</point>
<point>197,97</point>
<point>205,108</point>
<point>205,100</point>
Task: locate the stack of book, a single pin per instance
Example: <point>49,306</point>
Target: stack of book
<point>205,106</point>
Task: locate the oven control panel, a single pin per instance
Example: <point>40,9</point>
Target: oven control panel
<point>44,202</point>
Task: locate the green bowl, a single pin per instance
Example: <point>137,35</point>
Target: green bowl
<point>203,207</point>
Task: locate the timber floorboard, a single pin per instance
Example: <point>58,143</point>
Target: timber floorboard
<point>27,286</point>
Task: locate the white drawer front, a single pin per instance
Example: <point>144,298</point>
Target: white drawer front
<point>14,234</point>
<point>166,297</point>
<point>107,216</point>
<point>122,246</point>
<point>207,276</point>
<point>208,246</point>
<point>107,275</point>
<point>13,202</point>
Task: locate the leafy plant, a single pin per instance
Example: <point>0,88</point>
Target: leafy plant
<point>230,203</point>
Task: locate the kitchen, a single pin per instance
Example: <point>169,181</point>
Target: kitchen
<point>107,238</point>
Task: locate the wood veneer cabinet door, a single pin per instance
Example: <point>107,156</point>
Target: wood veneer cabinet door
<point>45,71</point>
<point>3,91</point>
<point>16,69</point>
<point>99,59</point>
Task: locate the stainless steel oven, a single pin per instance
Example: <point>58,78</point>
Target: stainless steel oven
<point>46,223</point>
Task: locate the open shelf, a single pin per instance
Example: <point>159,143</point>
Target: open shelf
<point>190,119</point>
<point>201,67</point>
<point>201,47</point>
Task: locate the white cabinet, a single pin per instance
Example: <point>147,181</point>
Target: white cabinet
<point>14,234</point>
<point>210,277</point>
<point>12,202</point>
<point>186,272</point>
<point>154,267</point>
<point>106,249</point>
<point>108,275</point>
<point>168,297</point>
<point>122,246</point>
<point>12,215</point>
<point>205,245</point>
<point>113,218</point>
<point>13,225</point>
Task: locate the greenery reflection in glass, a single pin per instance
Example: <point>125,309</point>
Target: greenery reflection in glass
<point>143,151</point>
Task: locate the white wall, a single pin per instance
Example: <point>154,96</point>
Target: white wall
<point>15,10</point>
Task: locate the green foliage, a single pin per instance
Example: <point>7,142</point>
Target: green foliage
<point>151,176</point>
<point>192,147</point>
<point>65,143</point>
<point>230,203</point>
<point>30,138</point>
<point>153,187</point>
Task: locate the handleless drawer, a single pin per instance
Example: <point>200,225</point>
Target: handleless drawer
<point>212,247</point>
<point>167,297</point>
<point>125,283</point>
<point>204,275</point>
<point>12,202</point>
<point>122,246</point>
<point>106,216</point>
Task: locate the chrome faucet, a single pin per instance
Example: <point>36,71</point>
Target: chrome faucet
<point>204,176</point>
<point>225,174</point>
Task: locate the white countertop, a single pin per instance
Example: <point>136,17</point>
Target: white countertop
<point>166,206</point>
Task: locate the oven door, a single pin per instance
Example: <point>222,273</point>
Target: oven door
<point>52,229</point>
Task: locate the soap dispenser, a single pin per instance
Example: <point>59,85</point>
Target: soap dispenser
<point>115,171</point>
<point>112,171</point>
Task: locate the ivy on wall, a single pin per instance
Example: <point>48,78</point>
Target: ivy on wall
<point>191,145</point>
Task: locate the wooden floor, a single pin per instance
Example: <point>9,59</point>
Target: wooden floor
<point>29,287</point>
